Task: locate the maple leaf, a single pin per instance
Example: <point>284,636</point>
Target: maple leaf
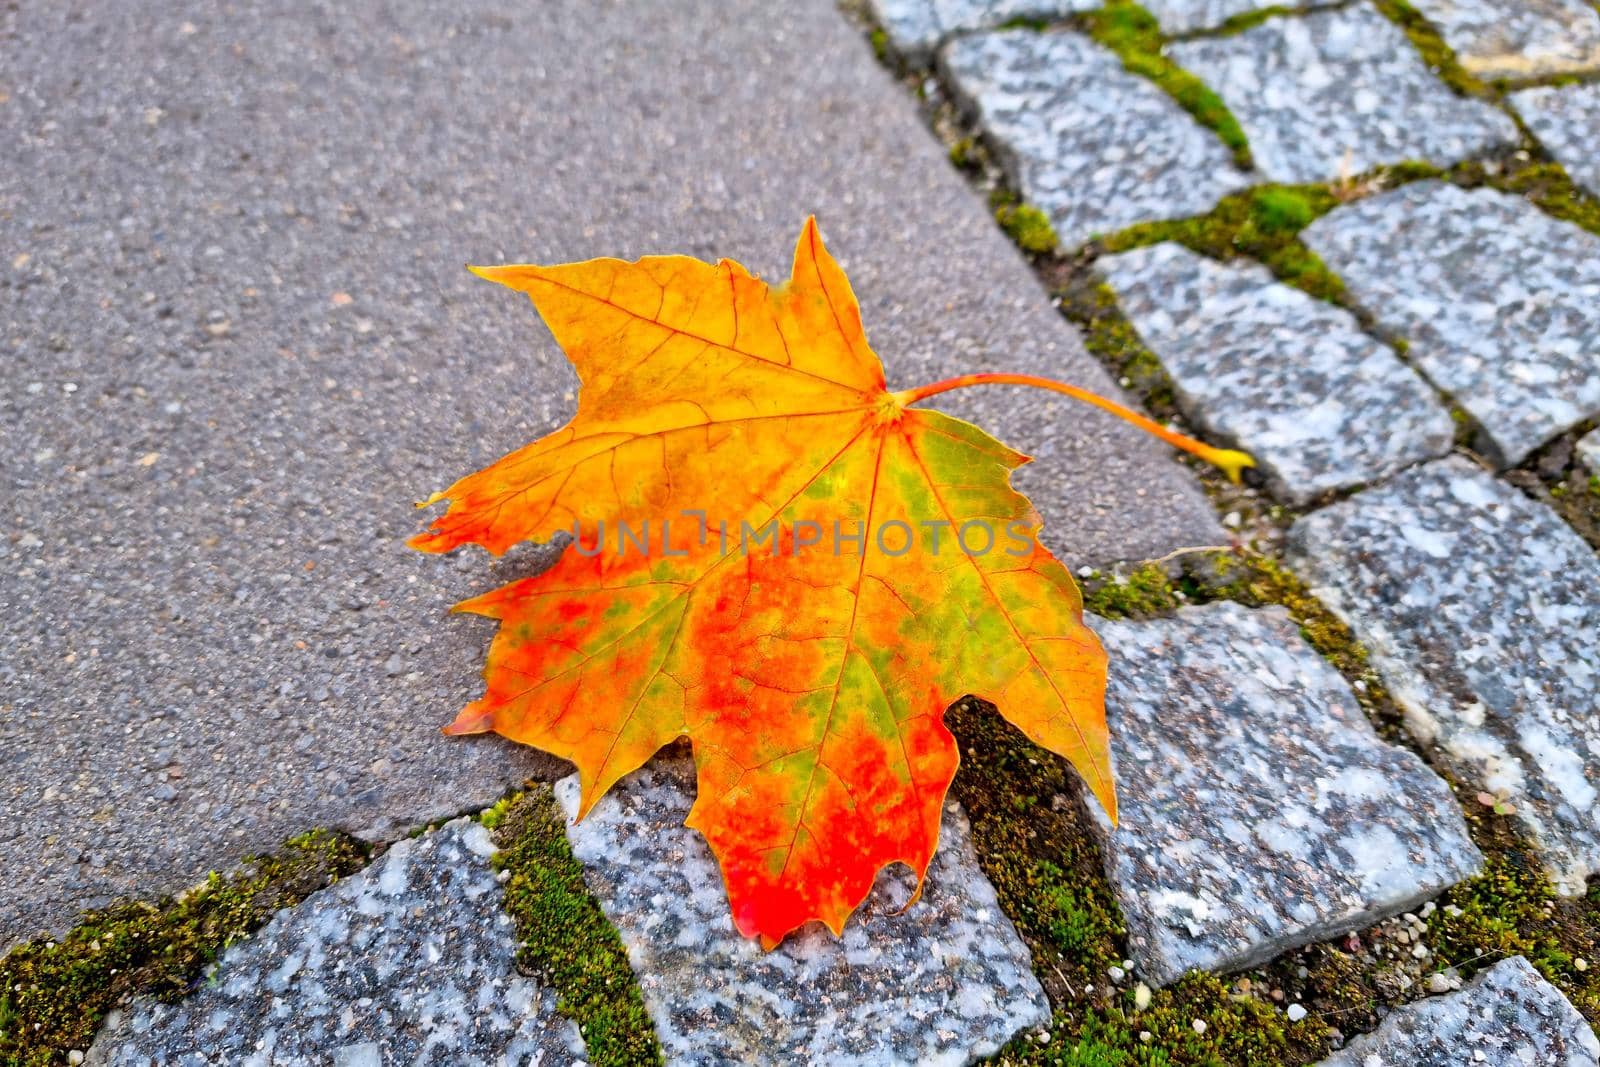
<point>793,579</point>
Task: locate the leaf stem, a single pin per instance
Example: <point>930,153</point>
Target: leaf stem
<point>1230,461</point>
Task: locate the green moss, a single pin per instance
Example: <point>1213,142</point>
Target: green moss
<point>1028,226</point>
<point>1245,20</point>
<point>1239,1032</point>
<point>962,153</point>
<point>1134,35</point>
<point>1546,184</point>
<point>53,994</point>
<point>1107,333</point>
<point>565,936</point>
<point>880,44</point>
<point>1263,223</point>
<point>1439,57</point>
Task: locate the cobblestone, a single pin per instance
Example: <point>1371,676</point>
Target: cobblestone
<point>1289,378</point>
<point>1481,609</point>
<point>1589,452</point>
<point>1259,809</point>
<point>1566,120</point>
<point>917,27</point>
<point>1508,1015</point>
<point>1339,92</point>
<point>941,982</point>
<point>410,961</point>
<point>1518,38</point>
<point>1097,148</point>
<point>1500,303</point>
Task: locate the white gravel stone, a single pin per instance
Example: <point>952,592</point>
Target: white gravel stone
<point>1259,809</point>
<point>1566,120</point>
<point>1339,90</point>
<point>1499,301</point>
<point>1517,38</point>
<point>1481,609</point>
<point>409,961</point>
<point>1508,1016</point>
<point>1095,147</point>
<point>1589,452</point>
<point>942,982</point>
<point>1291,379</point>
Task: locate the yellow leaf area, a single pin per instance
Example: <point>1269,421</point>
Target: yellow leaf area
<point>827,571</point>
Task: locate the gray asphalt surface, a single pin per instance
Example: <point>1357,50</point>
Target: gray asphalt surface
<point>237,341</point>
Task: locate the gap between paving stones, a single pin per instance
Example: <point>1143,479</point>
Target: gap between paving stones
<point>55,992</point>
<point>1502,912</point>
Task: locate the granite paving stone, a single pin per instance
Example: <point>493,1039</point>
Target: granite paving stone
<point>1518,38</point>
<point>942,982</point>
<point>1589,452</point>
<point>1481,609</point>
<point>1289,378</point>
<point>237,342</point>
<point>409,961</point>
<point>1508,1016</point>
<point>1191,16</point>
<point>917,27</point>
<point>1095,147</point>
<point>1259,809</point>
<point>1339,92</point>
<point>1566,120</point>
<point>1500,303</point>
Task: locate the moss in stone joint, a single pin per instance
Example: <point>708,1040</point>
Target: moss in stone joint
<point>1134,35</point>
<point>1025,224</point>
<point>1545,184</point>
<point>565,936</point>
<point>1111,338</point>
<point>1438,55</point>
<point>1263,223</point>
<point>1234,25</point>
<point>53,994</point>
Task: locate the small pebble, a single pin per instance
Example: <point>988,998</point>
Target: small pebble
<point>1146,1036</point>
<point>1296,1012</point>
<point>1438,982</point>
<point>1117,973</point>
<point>1580,964</point>
<point>1199,1026</point>
<point>1141,996</point>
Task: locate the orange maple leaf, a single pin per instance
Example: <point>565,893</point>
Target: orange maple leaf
<point>778,559</point>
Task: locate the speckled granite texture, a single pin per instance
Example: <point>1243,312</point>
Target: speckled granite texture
<point>1339,91</point>
<point>1189,16</point>
<point>410,961</point>
<point>1508,1016</point>
<point>1259,809</point>
<point>1481,609</point>
<point>1098,148</point>
<point>1589,452</point>
<point>1518,38</point>
<point>1566,120</point>
<point>1291,379</point>
<point>916,27</point>
<point>943,982</point>
<point>1499,301</point>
